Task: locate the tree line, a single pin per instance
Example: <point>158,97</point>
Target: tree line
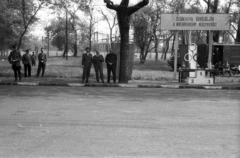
<point>148,35</point>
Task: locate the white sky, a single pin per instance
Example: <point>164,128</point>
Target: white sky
<point>46,16</point>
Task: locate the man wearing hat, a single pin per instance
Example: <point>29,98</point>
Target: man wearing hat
<point>27,62</point>
<point>97,62</point>
<point>87,64</point>
<point>42,59</point>
<point>14,58</point>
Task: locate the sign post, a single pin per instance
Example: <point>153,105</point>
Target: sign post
<point>175,55</point>
<point>210,50</point>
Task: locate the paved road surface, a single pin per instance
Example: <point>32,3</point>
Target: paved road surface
<point>118,122</point>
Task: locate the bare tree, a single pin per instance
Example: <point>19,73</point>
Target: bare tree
<point>28,16</point>
<point>111,21</point>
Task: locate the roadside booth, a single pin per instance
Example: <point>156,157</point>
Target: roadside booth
<point>194,55</point>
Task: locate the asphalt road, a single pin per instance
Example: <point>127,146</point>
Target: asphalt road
<point>118,122</point>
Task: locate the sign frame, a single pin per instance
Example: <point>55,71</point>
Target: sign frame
<point>202,21</point>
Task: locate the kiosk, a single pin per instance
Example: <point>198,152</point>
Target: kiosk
<point>189,22</point>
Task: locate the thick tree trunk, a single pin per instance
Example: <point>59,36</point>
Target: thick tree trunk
<point>124,54</point>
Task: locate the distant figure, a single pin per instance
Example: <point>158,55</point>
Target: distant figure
<point>216,55</point>
<point>33,57</point>
<point>219,67</point>
<point>27,62</point>
<point>15,58</point>
<point>226,68</point>
<point>97,62</point>
<point>87,64</point>
<point>111,60</point>
<point>42,59</point>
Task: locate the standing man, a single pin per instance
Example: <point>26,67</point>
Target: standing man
<point>14,58</point>
<point>97,62</point>
<point>27,62</point>
<point>33,57</point>
<point>42,59</point>
<point>111,60</point>
<point>86,63</point>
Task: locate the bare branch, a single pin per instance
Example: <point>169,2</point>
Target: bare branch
<point>137,7</point>
<point>111,5</point>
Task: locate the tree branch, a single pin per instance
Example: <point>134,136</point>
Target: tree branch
<point>110,5</point>
<point>138,6</point>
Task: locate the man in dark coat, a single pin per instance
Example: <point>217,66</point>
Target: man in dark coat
<point>97,62</point>
<point>15,58</point>
<point>27,62</point>
<point>86,63</point>
<point>111,60</point>
<point>42,59</point>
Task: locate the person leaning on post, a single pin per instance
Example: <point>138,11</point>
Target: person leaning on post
<point>42,59</point>
<point>111,60</point>
<point>15,58</point>
<point>27,62</point>
<point>86,64</point>
<point>97,62</point>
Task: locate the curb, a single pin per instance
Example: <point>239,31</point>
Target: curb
<point>122,85</point>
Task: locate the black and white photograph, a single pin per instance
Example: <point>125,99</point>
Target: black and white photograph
<point>120,78</point>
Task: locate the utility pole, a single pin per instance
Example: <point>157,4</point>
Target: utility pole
<point>48,41</point>
<point>66,35</point>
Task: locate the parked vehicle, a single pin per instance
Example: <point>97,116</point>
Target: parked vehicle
<point>170,62</point>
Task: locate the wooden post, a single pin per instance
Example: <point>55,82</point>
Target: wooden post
<point>210,50</point>
<point>175,55</point>
<point>189,37</point>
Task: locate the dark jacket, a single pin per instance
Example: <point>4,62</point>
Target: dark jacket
<point>42,57</point>
<point>111,58</point>
<point>14,58</point>
<point>97,60</point>
<point>26,59</point>
<point>87,59</point>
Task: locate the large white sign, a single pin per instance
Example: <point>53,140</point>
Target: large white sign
<point>195,21</point>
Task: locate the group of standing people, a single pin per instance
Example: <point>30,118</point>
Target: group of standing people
<point>88,59</point>
<point>28,61</point>
<point>97,60</point>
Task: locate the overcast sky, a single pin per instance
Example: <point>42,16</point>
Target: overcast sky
<point>45,16</point>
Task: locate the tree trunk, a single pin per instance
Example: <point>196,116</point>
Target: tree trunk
<point>124,54</point>
<point>237,41</point>
<point>75,44</point>
<point>20,39</point>
<point>142,56</point>
<point>75,39</point>
<point>156,51</point>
